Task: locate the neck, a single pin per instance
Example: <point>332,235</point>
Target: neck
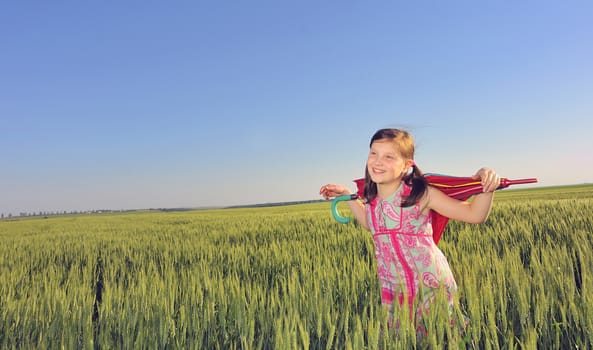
<point>386,190</point>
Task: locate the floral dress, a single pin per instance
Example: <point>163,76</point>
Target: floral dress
<point>411,267</point>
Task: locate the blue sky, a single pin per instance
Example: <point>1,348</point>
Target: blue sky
<point>153,104</point>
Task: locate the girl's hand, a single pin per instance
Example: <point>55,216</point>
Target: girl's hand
<point>489,179</point>
<point>330,191</point>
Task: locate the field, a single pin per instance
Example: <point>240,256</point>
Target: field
<point>291,277</point>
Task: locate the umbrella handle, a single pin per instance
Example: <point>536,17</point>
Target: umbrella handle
<point>337,216</point>
<point>508,182</point>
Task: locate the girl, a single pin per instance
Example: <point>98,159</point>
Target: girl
<point>398,200</point>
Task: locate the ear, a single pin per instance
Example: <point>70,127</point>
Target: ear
<point>410,163</point>
<point>409,166</point>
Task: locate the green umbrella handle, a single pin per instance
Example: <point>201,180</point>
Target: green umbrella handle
<point>347,197</point>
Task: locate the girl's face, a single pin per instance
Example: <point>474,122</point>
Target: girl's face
<point>385,164</point>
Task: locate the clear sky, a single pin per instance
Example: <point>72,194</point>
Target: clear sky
<point>157,104</point>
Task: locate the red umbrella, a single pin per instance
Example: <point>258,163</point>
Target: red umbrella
<point>456,187</point>
<point>460,188</point>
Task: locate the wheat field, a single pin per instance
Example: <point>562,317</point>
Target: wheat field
<point>290,277</point>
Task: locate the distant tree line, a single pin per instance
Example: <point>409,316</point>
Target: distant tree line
<point>60,212</point>
<point>103,211</point>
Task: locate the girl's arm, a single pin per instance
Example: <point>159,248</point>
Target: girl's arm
<point>474,212</point>
<point>359,212</point>
<point>330,191</point>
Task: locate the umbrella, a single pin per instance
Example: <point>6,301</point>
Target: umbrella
<point>454,186</point>
<point>460,188</point>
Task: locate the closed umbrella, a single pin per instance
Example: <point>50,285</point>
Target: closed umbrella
<point>454,186</point>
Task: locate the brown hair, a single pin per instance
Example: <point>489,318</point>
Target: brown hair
<point>405,146</point>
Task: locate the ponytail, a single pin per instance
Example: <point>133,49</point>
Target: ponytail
<point>417,183</point>
<point>370,188</point>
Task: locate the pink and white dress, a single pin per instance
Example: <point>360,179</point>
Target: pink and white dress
<point>410,265</point>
